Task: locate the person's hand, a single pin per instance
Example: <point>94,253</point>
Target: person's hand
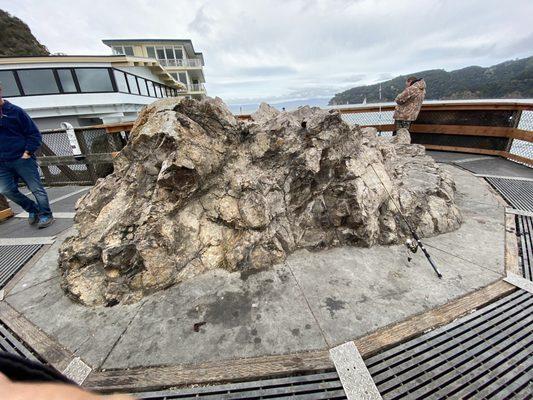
<point>26,155</point>
<point>48,391</point>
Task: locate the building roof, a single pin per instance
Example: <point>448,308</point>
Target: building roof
<point>109,42</point>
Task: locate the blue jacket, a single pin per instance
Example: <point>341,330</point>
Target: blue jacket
<point>18,132</point>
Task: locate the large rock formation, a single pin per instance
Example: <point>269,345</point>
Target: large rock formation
<point>195,189</point>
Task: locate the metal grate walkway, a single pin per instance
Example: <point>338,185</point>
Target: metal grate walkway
<point>309,387</point>
<point>524,225</point>
<point>517,192</point>
<point>13,258</point>
<point>11,344</point>
<point>484,355</point>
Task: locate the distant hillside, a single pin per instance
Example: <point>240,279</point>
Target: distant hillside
<point>17,39</point>
<point>510,79</point>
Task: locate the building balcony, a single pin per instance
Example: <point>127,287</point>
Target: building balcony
<point>196,87</point>
<point>189,62</point>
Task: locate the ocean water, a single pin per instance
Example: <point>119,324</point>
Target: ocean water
<point>289,105</point>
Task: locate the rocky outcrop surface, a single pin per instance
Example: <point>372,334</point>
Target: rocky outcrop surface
<point>195,189</point>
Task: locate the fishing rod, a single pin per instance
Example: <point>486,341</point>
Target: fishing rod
<point>410,245</point>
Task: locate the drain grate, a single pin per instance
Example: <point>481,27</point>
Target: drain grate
<point>524,226</point>
<point>11,344</point>
<point>484,355</point>
<point>309,387</point>
<point>13,258</point>
<point>517,192</point>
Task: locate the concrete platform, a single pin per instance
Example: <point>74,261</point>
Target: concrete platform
<point>315,300</point>
<point>482,164</point>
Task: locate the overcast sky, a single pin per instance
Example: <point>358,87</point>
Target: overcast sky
<point>290,49</point>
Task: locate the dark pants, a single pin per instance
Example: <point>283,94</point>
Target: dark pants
<point>398,124</point>
<point>25,169</point>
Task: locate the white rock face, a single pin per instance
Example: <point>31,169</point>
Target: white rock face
<point>195,190</point>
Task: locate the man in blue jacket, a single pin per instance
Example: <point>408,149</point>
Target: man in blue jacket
<point>19,140</point>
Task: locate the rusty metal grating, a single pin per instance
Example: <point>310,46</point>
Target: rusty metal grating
<point>517,192</point>
<point>309,387</point>
<point>13,258</point>
<point>10,343</point>
<point>524,231</point>
<point>484,355</point>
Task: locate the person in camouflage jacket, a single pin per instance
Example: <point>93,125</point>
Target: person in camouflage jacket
<point>409,102</point>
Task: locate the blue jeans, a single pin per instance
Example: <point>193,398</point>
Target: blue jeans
<point>25,169</point>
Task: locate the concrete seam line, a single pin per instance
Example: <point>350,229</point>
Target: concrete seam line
<point>515,211</point>
<point>77,370</point>
<point>27,240</point>
<point>516,178</point>
<point>519,282</point>
<point>66,196</point>
<point>465,160</point>
<point>60,215</point>
<point>355,378</point>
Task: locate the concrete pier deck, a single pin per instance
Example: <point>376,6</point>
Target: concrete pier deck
<point>313,301</point>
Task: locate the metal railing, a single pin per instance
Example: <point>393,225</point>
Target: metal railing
<point>196,87</point>
<point>59,166</point>
<point>452,126</point>
<point>188,62</point>
<point>493,127</point>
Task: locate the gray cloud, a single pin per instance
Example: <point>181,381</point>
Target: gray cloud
<point>292,48</point>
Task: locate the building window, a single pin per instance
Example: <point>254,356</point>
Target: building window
<point>120,79</point>
<point>182,77</point>
<point>123,50</point>
<point>151,89</point>
<point>38,81</point>
<point>142,86</point>
<point>133,84</point>
<point>151,51</point>
<point>94,80</point>
<point>67,81</point>
<point>169,51</point>
<point>160,53</point>
<point>9,84</point>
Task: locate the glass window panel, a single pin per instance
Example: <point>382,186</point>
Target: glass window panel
<point>38,81</point>
<point>151,51</point>
<point>174,75</point>
<point>142,85</point>
<point>159,91</point>
<point>120,78</point>
<point>118,50</point>
<point>128,50</point>
<point>67,81</point>
<point>179,53</point>
<point>160,53</point>
<point>94,80</point>
<point>169,51</point>
<point>133,84</point>
<point>182,77</point>
<point>151,88</point>
<point>9,85</point>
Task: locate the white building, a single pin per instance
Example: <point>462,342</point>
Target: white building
<point>177,56</point>
<point>91,90</point>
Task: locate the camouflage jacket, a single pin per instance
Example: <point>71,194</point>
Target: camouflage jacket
<point>409,101</point>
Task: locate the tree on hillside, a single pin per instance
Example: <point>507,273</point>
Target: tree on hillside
<point>17,39</point>
<point>510,79</point>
